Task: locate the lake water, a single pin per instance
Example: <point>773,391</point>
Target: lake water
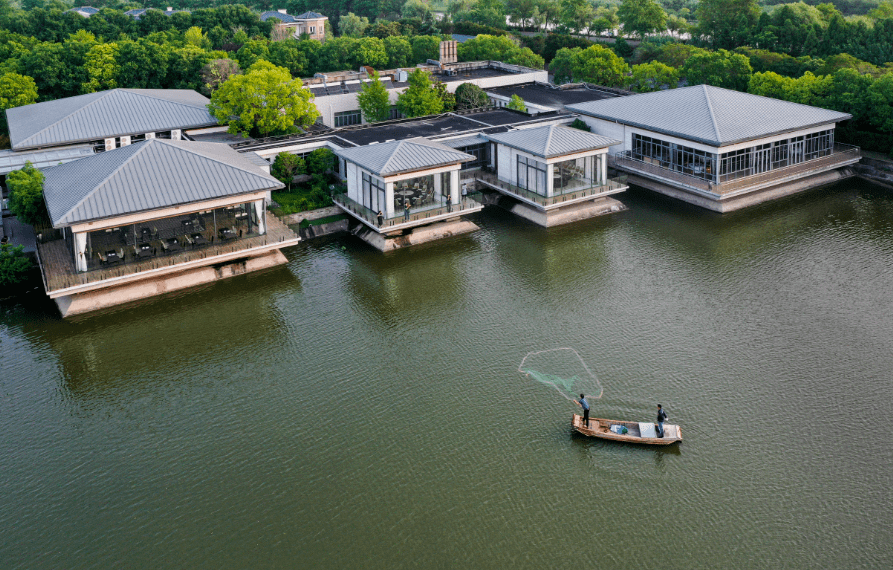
<point>360,408</point>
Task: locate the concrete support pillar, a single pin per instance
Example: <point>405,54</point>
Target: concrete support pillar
<point>603,168</point>
<point>388,200</point>
<point>439,190</point>
<point>455,195</point>
<point>80,251</point>
<point>261,212</point>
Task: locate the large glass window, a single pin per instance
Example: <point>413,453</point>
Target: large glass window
<point>422,193</point>
<point>532,175</point>
<point>168,236</point>
<point>373,192</point>
<point>479,151</point>
<point>777,154</point>
<point>348,118</point>
<point>690,161</point>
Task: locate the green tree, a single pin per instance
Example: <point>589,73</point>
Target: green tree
<point>26,195</point>
<point>470,96</point>
<point>642,17</point>
<point>576,14</point>
<point>398,50</point>
<point>14,264</point>
<point>194,36</point>
<point>102,68</point>
<point>15,91</point>
<point>447,98</point>
<point>516,104</point>
<point>320,161</point>
<point>415,9</point>
<point>374,100</point>
<point>419,99</point>
<point>352,26</point>
<point>880,98</point>
<point>720,69</point>
<point>286,167</point>
<point>264,100</point>
<point>218,71</point>
<point>727,23</point>
<point>252,51</point>
<point>653,76</point>
<point>425,48</point>
<point>595,64</point>
<point>286,53</point>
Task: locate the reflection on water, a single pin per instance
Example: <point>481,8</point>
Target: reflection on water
<point>355,402</point>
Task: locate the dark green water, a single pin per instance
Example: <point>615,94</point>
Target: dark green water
<point>355,408</point>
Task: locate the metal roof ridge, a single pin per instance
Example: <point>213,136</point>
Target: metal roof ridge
<point>384,167</point>
<point>89,194</point>
<point>195,152</point>
<point>716,132</point>
<point>137,93</point>
<point>51,125</point>
<point>549,139</point>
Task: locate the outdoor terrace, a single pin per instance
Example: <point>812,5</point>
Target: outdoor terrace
<point>417,216</point>
<point>59,271</point>
<point>561,196</point>
<point>841,155</point>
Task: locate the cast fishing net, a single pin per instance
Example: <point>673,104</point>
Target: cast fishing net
<point>564,370</point>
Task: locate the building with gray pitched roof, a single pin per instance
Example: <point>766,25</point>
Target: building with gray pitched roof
<point>154,216</point>
<point>108,119</point>
<point>718,148</point>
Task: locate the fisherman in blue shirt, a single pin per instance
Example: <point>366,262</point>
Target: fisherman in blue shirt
<point>585,405</point>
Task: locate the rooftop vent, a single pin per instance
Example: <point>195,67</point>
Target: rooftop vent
<point>283,11</point>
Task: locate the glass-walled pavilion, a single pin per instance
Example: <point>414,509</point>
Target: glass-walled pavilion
<point>721,167</point>
<point>162,237</point>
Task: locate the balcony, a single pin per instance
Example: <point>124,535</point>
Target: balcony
<point>417,216</point>
<point>59,271</point>
<point>731,185</point>
<point>562,197</point>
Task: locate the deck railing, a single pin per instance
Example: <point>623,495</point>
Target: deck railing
<point>418,214</point>
<point>59,271</point>
<point>560,196</point>
<point>840,154</point>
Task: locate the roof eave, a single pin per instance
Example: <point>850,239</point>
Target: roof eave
<point>714,143</point>
<point>68,223</point>
<point>87,140</point>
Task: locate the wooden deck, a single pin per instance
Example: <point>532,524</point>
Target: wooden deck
<point>59,272</point>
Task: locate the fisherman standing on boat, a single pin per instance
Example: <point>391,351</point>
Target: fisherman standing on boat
<point>585,405</point>
<point>661,418</point>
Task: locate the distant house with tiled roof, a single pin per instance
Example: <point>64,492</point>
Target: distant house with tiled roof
<point>85,11</point>
<point>311,23</point>
<point>139,13</point>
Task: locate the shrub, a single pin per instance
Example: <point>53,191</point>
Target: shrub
<point>579,124</point>
<point>14,265</point>
<point>26,195</point>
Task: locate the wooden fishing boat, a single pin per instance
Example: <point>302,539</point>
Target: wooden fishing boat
<point>636,432</point>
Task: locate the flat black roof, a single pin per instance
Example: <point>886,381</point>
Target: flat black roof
<point>489,121</point>
<point>440,125</point>
<point>542,95</point>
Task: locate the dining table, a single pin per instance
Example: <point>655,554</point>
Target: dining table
<point>227,233</point>
<point>199,239</point>
<point>144,250</point>
<point>112,257</point>
<point>173,245</point>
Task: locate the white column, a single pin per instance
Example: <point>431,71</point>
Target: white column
<point>603,168</point>
<point>80,251</point>
<point>261,220</point>
<point>388,200</point>
<point>438,186</point>
<point>550,181</point>
<point>455,195</point>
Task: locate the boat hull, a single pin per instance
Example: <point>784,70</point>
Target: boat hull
<point>601,428</point>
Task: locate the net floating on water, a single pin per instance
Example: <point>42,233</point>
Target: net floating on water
<point>564,370</point>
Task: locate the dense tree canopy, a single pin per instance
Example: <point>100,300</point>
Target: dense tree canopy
<point>642,17</point>
<point>26,195</point>
<point>420,98</point>
<point>374,100</point>
<point>263,101</point>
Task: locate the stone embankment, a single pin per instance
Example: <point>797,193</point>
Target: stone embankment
<point>875,170</point>
<point>320,230</point>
